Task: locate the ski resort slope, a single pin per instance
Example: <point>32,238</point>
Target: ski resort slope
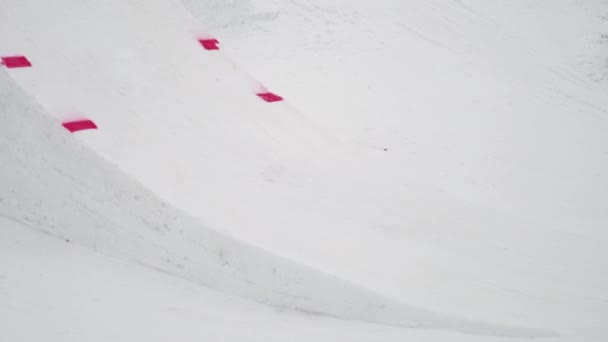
<point>435,164</point>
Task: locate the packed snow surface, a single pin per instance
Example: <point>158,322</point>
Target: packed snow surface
<point>438,170</point>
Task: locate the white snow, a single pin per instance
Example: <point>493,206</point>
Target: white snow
<point>436,164</point>
<point>54,290</point>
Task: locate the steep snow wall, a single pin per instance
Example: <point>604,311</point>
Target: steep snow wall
<point>53,183</point>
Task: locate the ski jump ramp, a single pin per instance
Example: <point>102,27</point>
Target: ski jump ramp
<point>127,128</point>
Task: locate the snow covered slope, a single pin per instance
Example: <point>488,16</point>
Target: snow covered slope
<point>449,156</point>
<point>54,184</point>
<point>86,296</point>
<point>493,114</point>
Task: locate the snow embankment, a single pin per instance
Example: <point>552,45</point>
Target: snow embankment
<point>53,183</point>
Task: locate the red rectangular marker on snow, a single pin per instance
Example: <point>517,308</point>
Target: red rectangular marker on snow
<point>80,125</point>
<point>270,97</point>
<point>209,44</point>
<point>16,62</point>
